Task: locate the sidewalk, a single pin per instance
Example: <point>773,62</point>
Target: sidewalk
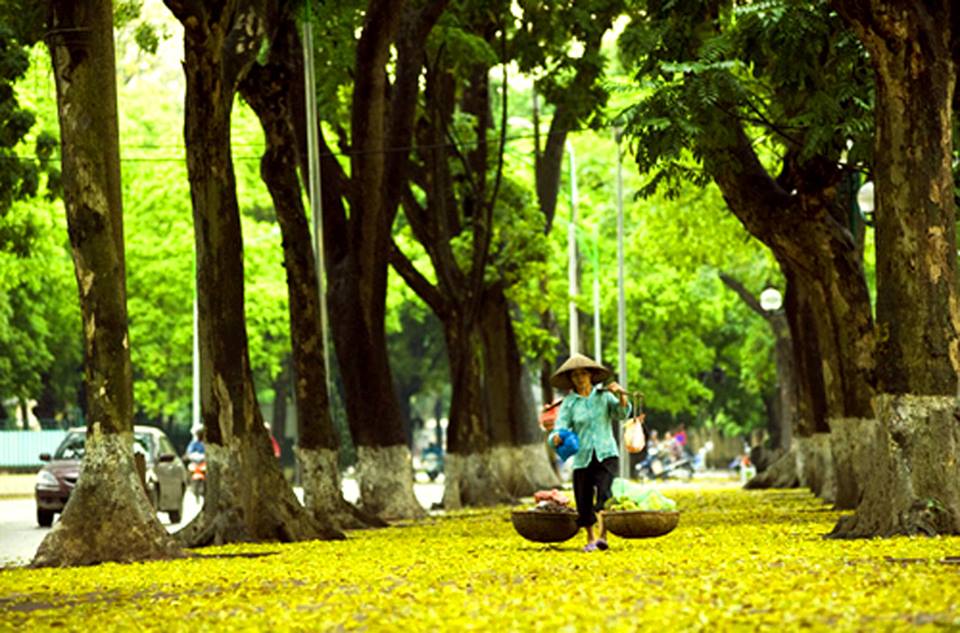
<point>12,486</point>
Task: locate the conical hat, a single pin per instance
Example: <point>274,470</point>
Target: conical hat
<point>561,378</point>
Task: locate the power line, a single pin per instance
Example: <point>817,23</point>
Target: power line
<point>432,146</point>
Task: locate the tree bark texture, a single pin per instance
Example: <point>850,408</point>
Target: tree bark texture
<point>108,517</point>
<point>845,435</point>
<point>519,459</point>
<point>469,476</point>
<point>827,300</point>
<point>477,421</point>
<point>87,109</point>
<point>386,483</point>
<point>323,492</point>
<point>913,485</point>
<point>801,218</point>
<point>817,470</point>
<point>782,424</point>
<point>781,474</point>
<point>914,476</point>
<point>358,245</point>
<point>911,47</point>
<point>247,497</point>
<point>809,367</point>
<point>271,90</point>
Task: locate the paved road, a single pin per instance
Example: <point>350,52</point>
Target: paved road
<point>20,536</point>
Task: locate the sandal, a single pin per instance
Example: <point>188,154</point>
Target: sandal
<point>590,547</point>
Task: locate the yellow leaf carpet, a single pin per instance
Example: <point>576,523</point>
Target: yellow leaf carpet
<point>739,560</point>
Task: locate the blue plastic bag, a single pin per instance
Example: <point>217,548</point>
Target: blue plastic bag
<point>569,444</point>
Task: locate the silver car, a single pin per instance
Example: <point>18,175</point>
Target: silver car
<point>165,477</point>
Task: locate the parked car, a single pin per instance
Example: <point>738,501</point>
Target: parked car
<point>166,477</point>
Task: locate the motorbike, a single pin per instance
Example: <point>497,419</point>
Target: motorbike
<point>659,464</point>
<point>432,461</point>
<point>197,467</point>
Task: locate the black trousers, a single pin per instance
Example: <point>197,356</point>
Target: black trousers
<point>597,478</point>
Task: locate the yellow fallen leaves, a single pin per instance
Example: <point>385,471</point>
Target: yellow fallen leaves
<point>739,560</point>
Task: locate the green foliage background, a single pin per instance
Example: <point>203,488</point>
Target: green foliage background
<point>698,355</point>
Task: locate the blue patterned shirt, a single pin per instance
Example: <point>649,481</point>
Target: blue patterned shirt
<point>591,418</point>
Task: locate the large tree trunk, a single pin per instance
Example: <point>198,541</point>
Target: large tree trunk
<point>456,298</point>
<point>915,481</point>
<point>519,460</point>
<point>384,467</point>
<point>827,300</point>
<point>275,91</point>
<point>358,246</point>
<point>469,478</point>
<point>108,517</point>
<point>247,497</point>
<point>799,217</point>
<point>782,473</point>
<point>781,427</point>
<point>846,434</point>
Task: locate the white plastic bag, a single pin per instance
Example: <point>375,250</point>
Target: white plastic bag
<point>633,436</point>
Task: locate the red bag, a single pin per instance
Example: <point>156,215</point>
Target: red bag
<point>548,416</point>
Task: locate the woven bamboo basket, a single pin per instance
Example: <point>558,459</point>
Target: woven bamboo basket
<point>545,527</point>
<point>640,523</point>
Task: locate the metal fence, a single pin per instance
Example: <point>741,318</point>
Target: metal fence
<point>21,449</point>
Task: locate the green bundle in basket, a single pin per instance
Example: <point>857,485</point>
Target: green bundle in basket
<point>630,496</point>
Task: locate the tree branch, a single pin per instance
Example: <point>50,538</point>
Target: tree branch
<point>425,230</point>
<point>744,294</point>
<point>483,234</point>
<point>417,282</point>
<point>186,9</point>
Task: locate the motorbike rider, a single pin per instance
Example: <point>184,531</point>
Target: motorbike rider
<point>196,448</point>
<point>196,458</point>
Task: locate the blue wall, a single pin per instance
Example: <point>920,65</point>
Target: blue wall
<point>21,449</point>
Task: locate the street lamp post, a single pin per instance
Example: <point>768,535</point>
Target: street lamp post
<point>771,302</point>
<point>195,423</point>
<point>313,183</point>
<point>771,299</point>
<point>597,340</point>
<point>866,202</point>
<point>621,302</point>
<point>572,274</point>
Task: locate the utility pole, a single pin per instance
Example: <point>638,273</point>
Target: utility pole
<point>572,251</point>
<point>621,302</point>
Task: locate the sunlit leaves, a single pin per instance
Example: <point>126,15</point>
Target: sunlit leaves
<point>713,67</point>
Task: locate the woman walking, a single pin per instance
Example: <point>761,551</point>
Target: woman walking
<point>589,410</point>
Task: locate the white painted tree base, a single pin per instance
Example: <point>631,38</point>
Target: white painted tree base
<point>912,461</point>
<point>385,478</point>
<point>524,470</point>
<point>108,517</point>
